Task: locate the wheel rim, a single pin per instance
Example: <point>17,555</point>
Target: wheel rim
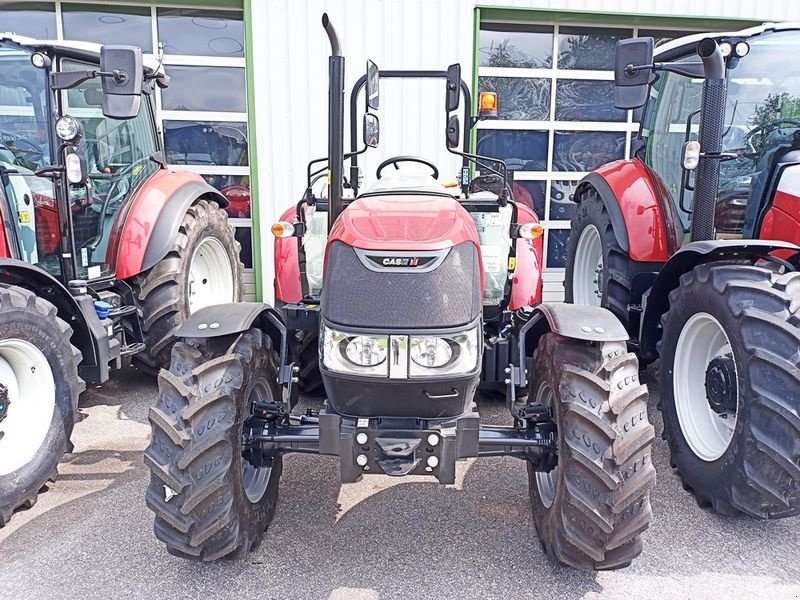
<point>256,479</point>
<point>210,275</point>
<point>546,482</point>
<point>702,342</point>
<point>588,268</point>
<point>31,393</point>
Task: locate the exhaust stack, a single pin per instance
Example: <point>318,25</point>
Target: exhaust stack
<point>712,123</point>
<point>335,123</point>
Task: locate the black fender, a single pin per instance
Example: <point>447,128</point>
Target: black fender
<point>656,300</point>
<point>606,194</point>
<point>222,320</point>
<point>88,334</point>
<point>171,216</point>
<point>575,321</point>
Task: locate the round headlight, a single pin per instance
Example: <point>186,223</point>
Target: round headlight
<point>742,49</point>
<point>365,351</point>
<point>69,129</point>
<point>39,60</point>
<point>431,352</point>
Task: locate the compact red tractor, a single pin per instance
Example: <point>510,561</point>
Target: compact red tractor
<point>422,300</point>
<point>103,250</point>
<point>691,244</point>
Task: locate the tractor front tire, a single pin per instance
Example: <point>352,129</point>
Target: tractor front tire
<point>39,394</point>
<point>201,269</point>
<point>591,510</point>
<point>209,501</point>
<point>731,345</point>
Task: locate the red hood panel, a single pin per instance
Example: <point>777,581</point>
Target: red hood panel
<point>404,222</point>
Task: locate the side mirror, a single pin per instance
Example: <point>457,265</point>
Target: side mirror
<point>373,86</point>
<point>122,81</point>
<point>453,95</point>
<point>453,131</point>
<point>372,130</point>
<point>633,71</point>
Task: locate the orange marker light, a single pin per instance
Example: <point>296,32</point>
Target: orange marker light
<point>450,184</point>
<point>282,229</point>
<point>531,231</point>
<point>487,106</point>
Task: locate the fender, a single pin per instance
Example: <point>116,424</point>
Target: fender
<point>144,233</point>
<point>632,201</point>
<point>288,287</point>
<point>527,284</point>
<point>88,334</point>
<point>656,299</point>
<point>227,319</point>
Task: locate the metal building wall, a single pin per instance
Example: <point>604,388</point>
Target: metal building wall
<point>290,53</point>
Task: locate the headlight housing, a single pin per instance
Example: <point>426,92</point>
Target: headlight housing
<point>401,356</point>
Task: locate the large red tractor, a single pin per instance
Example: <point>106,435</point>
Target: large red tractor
<point>410,318</point>
<point>104,251</point>
<point>691,244</point>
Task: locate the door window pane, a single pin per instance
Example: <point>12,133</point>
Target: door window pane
<point>526,46</point>
<point>205,89</point>
<point>586,150</point>
<point>582,100</point>
<point>236,188</point>
<point>98,23</point>
<point>519,98</point>
<point>201,32</point>
<point>34,19</point>
<point>557,248</point>
<point>521,150</point>
<point>206,143</point>
<point>562,200</point>
<point>588,47</point>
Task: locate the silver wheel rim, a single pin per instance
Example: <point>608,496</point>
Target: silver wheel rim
<point>707,433</point>
<point>588,268</point>
<point>24,370</point>
<point>256,479</point>
<point>546,482</point>
<point>210,275</point>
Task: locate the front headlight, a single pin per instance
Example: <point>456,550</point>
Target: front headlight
<point>358,354</point>
<point>443,355</point>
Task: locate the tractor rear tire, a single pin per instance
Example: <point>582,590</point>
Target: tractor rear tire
<point>752,465</point>
<point>166,292</point>
<point>592,226</point>
<point>591,510</point>
<point>209,502</point>
<point>39,373</point>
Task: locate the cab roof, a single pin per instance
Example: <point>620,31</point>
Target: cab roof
<point>687,44</point>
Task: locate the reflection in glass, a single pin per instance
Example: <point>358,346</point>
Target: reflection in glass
<point>531,194</point>
<point>201,32</point>
<point>588,47</point>
<point>34,19</point>
<point>582,100</point>
<point>662,36</point>
<point>98,23</point>
<point>521,46</point>
<point>244,235</point>
<point>236,188</point>
<point>586,150</point>
<point>557,248</point>
<point>207,143</point>
<point>221,89</point>
<point>518,98</point>
<point>562,200</point>
<point>521,150</point>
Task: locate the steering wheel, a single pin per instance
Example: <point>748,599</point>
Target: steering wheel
<point>398,159</point>
<point>769,127</point>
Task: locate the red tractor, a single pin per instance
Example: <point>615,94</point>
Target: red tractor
<point>415,296</point>
<point>104,251</point>
<point>691,244</point>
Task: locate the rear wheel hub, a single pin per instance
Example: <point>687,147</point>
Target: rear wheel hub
<point>3,402</point>
<point>721,389</point>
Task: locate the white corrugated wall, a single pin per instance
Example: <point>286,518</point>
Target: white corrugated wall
<point>290,54</point>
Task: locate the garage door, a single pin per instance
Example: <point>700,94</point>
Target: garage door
<point>556,112</point>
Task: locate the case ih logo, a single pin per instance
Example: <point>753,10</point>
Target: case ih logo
<point>408,262</point>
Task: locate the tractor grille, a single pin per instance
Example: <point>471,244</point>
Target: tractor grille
<point>356,296</point>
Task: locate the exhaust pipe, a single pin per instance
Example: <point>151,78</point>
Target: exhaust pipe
<point>712,124</point>
<point>335,123</point>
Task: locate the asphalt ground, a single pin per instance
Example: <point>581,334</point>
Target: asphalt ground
<point>90,536</point>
